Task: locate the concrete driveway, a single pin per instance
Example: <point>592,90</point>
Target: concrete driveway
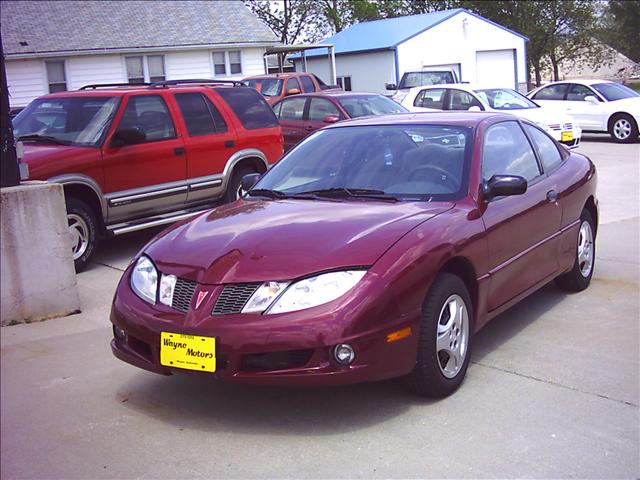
<point>552,390</point>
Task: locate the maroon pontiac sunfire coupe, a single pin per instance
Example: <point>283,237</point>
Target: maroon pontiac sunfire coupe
<point>374,249</point>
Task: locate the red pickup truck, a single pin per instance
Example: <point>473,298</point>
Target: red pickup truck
<point>135,156</point>
<point>279,85</point>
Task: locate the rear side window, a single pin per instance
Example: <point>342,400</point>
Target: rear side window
<point>292,109</point>
<point>461,100</point>
<point>307,84</point>
<point>549,153</point>
<point>507,151</point>
<point>200,115</point>
<point>552,92</point>
<point>430,99</point>
<point>149,113</point>
<point>321,109</point>
<point>251,109</point>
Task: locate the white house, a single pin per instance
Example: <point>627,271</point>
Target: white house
<point>370,54</point>
<point>51,46</point>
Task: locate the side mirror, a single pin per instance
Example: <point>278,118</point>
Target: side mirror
<point>591,99</point>
<point>249,180</point>
<point>331,119</point>
<point>128,136</point>
<point>474,108</point>
<point>503,186</point>
<point>293,91</point>
<point>390,86</point>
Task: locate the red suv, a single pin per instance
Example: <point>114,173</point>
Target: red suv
<point>136,156</point>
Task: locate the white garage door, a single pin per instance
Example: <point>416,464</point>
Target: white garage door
<point>496,68</point>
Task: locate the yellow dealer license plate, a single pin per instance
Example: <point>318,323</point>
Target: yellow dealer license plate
<point>567,136</point>
<point>188,351</point>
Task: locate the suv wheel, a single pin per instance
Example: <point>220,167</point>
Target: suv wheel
<point>234,188</point>
<point>83,230</point>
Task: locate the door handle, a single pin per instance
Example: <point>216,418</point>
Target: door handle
<point>552,196</point>
<point>179,150</point>
<point>229,144</point>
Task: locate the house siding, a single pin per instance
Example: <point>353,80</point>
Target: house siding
<point>91,69</point>
<point>26,81</point>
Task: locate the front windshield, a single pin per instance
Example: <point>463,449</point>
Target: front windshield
<point>421,79</point>
<point>614,91</point>
<point>362,106</point>
<point>409,162</point>
<point>69,120</point>
<point>505,99</point>
<point>269,87</point>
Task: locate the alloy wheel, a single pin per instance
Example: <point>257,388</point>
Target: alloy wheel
<point>622,129</point>
<point>452,337</point>
<point>79,231</point>
<point>585,249</point>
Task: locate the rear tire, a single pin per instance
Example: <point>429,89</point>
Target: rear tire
<point>447,327</point>
<point>234,187</point>
<point>580,275</point>
<point>623,128</point>
<point>83,229</point>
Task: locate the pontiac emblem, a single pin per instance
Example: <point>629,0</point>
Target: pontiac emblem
<point>201,296</point>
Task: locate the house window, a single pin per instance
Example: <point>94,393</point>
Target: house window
<point>55,76</point>
<point>227,63</point>
<point>145,68</point>
<point>344,83</point>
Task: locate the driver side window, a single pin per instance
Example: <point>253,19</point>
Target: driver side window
<point>506,151</point>
<point>150,114</point>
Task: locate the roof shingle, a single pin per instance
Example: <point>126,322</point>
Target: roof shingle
<point>85,26</point>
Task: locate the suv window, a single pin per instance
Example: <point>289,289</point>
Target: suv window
<point>150,113</point>
<point>200,115</point>
<point>577,93</point>
<point>307,84</point>
<point>430,99</point>
<point>552,92</point>
<point>507,151</point>
<point>461,100</point>
<point>250,107</point>
<point>549,153</point>
<point>320,109</point>
<point>292,108</point>
<point>291,84</point>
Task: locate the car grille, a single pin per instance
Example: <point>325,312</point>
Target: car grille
<point>182,294</point>
<point>234,297</point>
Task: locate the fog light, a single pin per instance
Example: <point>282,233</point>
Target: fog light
<point>344,354</point>
<point>119,333</point>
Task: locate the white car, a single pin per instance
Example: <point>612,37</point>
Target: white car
<point>596,105</point>
<point>464,97</point>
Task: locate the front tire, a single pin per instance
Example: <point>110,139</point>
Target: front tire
<point>445,338</point>
<point>234,188</point>
<point>83,229</point>
<point>623,128</point>
<point>580,275</point>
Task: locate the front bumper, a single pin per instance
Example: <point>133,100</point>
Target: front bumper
<point>285,349</point>
<point>559,133</point>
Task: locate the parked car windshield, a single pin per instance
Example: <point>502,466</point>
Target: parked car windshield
<point>505,99</point>
<point>614,91</point>
<point>405,162</point>
<point>364,105</point>
<point>71,120</point>
<point>420,79</point>
<point>269,87</point>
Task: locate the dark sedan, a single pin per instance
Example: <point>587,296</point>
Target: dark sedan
<point>374,249</point>
<point>301,115</point>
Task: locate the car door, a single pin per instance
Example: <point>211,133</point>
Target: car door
<point>587,115</point>
<point>319,109</point>
<point>522,230</point>
<point>290,113</point>
<point>209,143</point>
<point>551,96</point>
<point>307,84</point>
<point>429,100</point>
<point>147,177</point>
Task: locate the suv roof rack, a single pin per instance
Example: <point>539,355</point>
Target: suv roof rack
<point>197,81</point>
<point>109,85</point>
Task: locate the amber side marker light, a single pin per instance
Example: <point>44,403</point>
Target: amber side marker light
<point>399,334</point>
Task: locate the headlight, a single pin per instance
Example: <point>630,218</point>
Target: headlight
<point>144,280</point>
<point>317,290</point>
<point>264,296</point>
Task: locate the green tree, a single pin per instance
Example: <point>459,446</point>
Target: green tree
<point>621,27</point>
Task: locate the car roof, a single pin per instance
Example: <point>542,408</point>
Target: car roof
<point>467,87</point>
<point>336,94</point>
<point>462,119</point>
<point>579,81</point>
<point>124,89</point>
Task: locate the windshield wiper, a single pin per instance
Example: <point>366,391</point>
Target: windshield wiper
<point>342,192</point>
<point>265,192</point>
<point>43,138</point>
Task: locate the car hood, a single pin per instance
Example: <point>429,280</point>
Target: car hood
<point>46,160</point>
<point>250,241</point>
<point>543,115</point>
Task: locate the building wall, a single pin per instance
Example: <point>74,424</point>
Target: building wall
<point>368,71</point>
<point>27,79</point>
<point>457,41</point>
